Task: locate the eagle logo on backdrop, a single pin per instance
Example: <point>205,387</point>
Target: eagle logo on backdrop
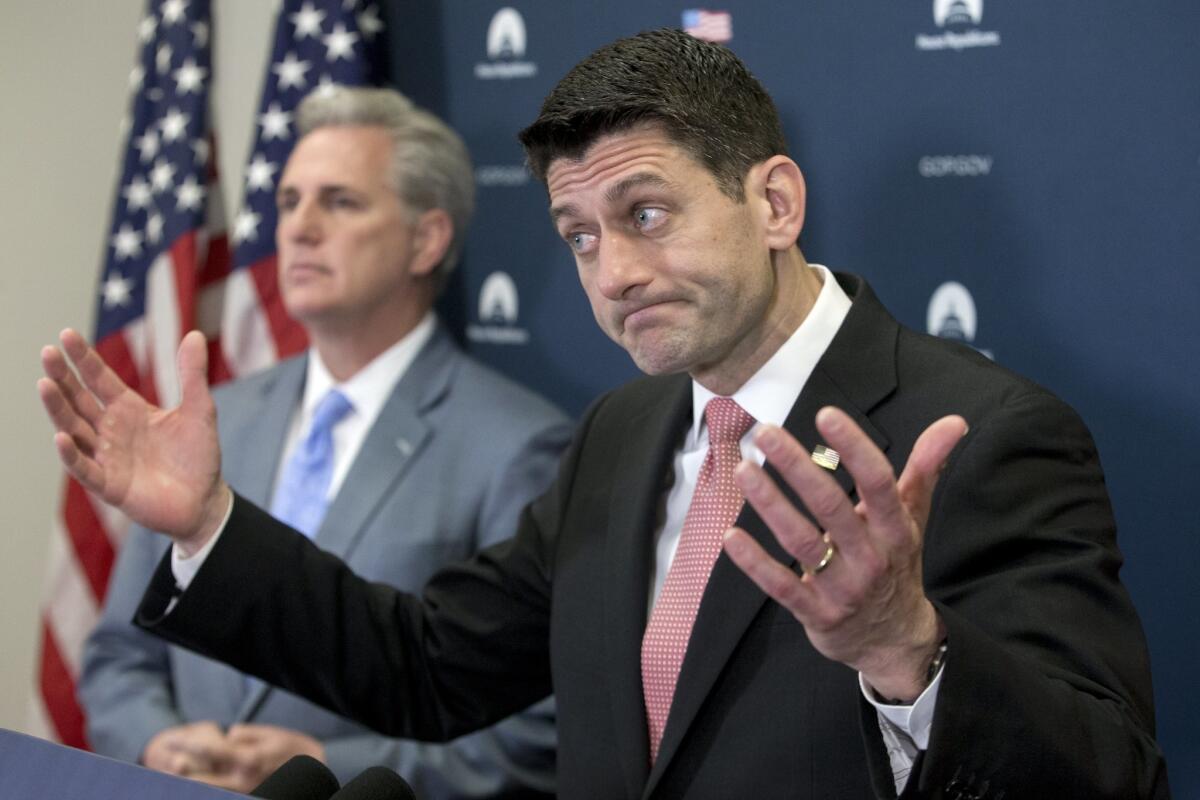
<point>506,35</point>
<point>498,309</point>
<point>960,20</point>
<point>957,12</point>
<point>506,41</point>
<point>951,315</point>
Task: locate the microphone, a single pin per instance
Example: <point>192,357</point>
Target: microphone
<point>300,778</point>
<point>376,783</point>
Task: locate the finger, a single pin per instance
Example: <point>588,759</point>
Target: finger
<point>54,365</point>
<point>95,374</point>
<point>242,733</point>
<point>873,476</point>
<point>819,492</point>
<point>80,465</point>
<point>65,418</point>
<point>192,361</point>
<point>925,464</point>
<point>179,763</point>
<point>792,591</point>
<point>794,532</point>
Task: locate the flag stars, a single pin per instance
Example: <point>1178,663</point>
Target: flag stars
<point>274,122</point>
<point>260,174</point>
<point>190,195</point>
<point>173,11</point>
<point>154,228</point>
<point>245,227</point>
<point>307,21</point>
<point>162,175</point>
<point>190,77</point>
<point>147,145</point>
<point>126,242</point>
<point>201,150</point>
<point>162,59</point>
<point>146,28</point>
<point>340,43</point>
<point>136,76</point>
<point>369,22</point>
<point>174,125</point>
<point>291,72</point>
<point>326,85</point>
<point>138,193</point>
<point>200,34</point>
<point>117,290</point>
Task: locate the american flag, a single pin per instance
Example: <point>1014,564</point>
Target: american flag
<point>316,44</point>
<point>711,26</point>
<point>167,269</point>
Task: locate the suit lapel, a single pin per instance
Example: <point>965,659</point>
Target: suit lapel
<point>639,485</point>
<point>392,446</point>
<point>252,452</point>
<point>855,374</point>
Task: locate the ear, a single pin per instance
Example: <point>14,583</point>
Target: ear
<point>777,185</point>
<point>431,238</point>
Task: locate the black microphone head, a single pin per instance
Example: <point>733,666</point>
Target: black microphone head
<point>300,778</point>
<point>376,783</point>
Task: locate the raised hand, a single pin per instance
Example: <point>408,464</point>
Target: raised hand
<point>162,468</point>
<point>859,594</point>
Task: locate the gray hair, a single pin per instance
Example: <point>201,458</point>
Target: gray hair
<point>430,164</point>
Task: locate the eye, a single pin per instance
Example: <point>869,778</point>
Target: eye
<point>582,243</point>
<point>647,219</point>
<point>343,201</point>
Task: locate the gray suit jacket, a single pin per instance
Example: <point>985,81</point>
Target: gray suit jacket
<point>455,454</point>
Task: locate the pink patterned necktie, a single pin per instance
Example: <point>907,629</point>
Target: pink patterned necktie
<point>714,508</point>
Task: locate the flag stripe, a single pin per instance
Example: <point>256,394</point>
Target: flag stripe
<point>58,692</point>
<point>93,551</point>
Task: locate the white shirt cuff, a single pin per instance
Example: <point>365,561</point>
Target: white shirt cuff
<point>905,729</point>
<point>915,720</point>
<point>184,568</point>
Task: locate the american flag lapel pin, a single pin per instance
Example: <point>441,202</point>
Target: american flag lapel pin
<point>826,457</point>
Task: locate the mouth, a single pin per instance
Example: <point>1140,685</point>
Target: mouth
<point>300,271</point>
<point>644,314</point>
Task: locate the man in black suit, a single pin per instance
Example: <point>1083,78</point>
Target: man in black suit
<point>957,631</point>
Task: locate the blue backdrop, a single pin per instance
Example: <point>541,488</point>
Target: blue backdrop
<point>1043,159</point>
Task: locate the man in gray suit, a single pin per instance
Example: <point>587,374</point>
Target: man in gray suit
<point>373,208</point>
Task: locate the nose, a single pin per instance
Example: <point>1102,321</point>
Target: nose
<point>619,266</point>
<point>301,223</point>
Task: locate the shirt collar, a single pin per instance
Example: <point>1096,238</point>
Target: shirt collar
<point>368,389</point>
<point>771,392</point>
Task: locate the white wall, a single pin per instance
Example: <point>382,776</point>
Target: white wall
<point>63,77</point>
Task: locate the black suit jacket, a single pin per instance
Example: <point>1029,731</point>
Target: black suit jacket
<point>1046,691</point>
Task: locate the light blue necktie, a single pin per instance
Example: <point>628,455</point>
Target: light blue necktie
<point>301,496</point>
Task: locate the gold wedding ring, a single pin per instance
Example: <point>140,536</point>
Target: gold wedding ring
<point>830,552</point>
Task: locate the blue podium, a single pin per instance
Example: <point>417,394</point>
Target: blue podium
<point>33,768</point>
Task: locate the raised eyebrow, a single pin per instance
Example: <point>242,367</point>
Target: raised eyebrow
<point>614,193</point>
<point>618,190</point>
<point>565,210</point>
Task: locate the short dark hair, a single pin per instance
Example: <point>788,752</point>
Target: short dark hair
<point>700,93</point>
